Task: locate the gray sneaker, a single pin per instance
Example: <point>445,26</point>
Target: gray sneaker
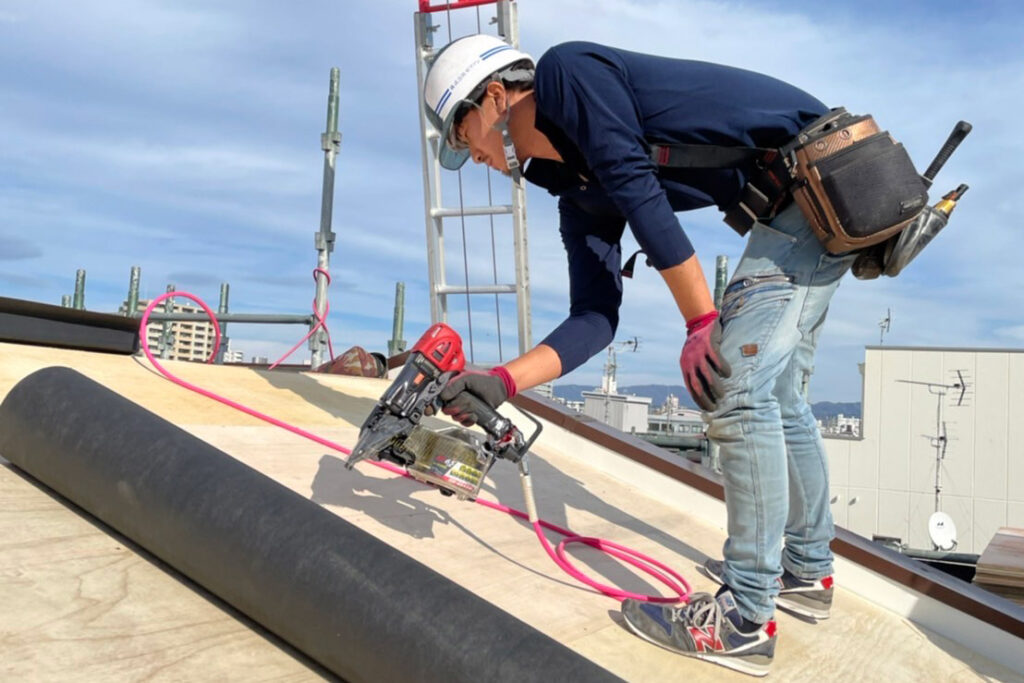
<point>706,628</point>
<point>808,598</point>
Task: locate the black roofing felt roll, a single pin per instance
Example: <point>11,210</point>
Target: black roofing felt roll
<point>361,608</point>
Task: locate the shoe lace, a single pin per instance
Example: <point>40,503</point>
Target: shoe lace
<point>702,611</point>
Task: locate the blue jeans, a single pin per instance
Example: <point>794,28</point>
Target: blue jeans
<point>772,456</point>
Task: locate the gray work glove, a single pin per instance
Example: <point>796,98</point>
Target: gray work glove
<point>493,388</point>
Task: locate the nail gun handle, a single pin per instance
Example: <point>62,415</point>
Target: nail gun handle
<point>960,131</point>
<point>492,422</point>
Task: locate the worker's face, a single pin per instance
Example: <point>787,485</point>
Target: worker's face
<point>477,129</point>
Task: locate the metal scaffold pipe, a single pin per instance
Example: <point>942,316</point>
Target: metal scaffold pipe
<point>225,290</point>
<point>79,300</point>
<point>222,311</point>
<point>721,278</point>
<point>396,344</point>
<point>330,142</point>
<point>166,338</point>
<point>270,318</point>
<point>133,290</point>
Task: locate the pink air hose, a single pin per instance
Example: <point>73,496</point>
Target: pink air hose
<point>676,583</point>
<point>321,321</point>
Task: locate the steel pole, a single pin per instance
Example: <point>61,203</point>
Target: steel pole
<point>222,310</point>
<point>270,318</point>
<point>721,278</point>
<point>396,344</point>
<point>330,142</point>
<point>79,300</point>
<point>166,339</point>
<point>133,290</point>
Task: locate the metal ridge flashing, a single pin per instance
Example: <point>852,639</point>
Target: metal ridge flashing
<point>38,309</point>
<point>950,591</point>
<point>31,322</point>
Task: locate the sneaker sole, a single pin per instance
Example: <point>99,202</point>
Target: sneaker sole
<point>735,662</point>
<point>782,602</point>
<point>785,603</point>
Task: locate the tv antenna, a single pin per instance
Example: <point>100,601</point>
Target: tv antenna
<point>940,439</point>
<point>883,325</point>
<point>960,382</point>
<point>610,368</point>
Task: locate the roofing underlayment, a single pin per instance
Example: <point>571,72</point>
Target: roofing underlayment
<point>80,602</point>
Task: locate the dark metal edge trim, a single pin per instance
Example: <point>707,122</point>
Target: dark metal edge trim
<point>35,309</point>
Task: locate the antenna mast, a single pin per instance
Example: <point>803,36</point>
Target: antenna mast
<point>940,439</point>
<point>610,367</point>
<point>883,325</point>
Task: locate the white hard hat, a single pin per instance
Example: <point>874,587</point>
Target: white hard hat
<point>458,70</point>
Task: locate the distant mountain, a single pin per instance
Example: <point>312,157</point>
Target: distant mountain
<point>571,392</point>
<point>658,393</point>
<point>824,409</point>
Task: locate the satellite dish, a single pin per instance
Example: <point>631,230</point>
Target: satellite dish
<point>942,531</point>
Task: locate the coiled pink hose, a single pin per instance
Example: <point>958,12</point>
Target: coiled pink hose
<point>676,583</point>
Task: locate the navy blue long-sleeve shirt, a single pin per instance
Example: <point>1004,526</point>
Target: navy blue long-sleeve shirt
<point>601,108</point>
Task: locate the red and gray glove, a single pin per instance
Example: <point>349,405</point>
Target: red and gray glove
<point>701,361</point>
<point>493,388</point>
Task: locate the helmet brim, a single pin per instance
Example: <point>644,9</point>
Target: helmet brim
<point>451,159</point>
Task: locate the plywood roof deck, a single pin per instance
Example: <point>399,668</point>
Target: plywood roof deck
<point>79,603</point>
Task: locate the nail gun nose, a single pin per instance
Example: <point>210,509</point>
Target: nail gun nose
<point>353,458</point>
<point>370,443</point>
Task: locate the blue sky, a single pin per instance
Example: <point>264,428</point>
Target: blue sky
<point>184,137</point>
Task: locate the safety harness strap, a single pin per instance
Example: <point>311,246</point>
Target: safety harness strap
<point>767,187</point>
<point>704,156</point>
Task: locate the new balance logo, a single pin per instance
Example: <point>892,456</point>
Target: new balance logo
<point>702,640</point>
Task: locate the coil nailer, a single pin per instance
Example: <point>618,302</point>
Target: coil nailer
<point>455,460</point>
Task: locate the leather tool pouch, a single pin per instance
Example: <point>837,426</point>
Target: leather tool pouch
<point>853,182</point>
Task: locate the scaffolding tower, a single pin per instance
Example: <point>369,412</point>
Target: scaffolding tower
<point>428,22</point>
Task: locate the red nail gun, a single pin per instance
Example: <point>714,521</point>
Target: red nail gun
<point>454,460</point>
